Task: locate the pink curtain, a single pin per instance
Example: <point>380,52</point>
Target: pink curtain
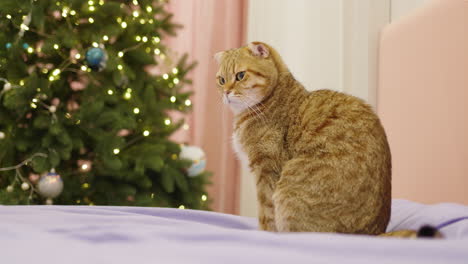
<point>211,26</point>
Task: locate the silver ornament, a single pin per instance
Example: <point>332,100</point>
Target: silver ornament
<point>24,186</point>
<point>52,108</point>
<point>7,86</point>
<point>198,158</point>
<point>50,185</point>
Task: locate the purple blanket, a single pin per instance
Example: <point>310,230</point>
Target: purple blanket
<point>135,235</point>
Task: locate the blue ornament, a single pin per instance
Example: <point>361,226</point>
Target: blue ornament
<point>8,45</point>
<point>25,45</point>
<point>96,58</point>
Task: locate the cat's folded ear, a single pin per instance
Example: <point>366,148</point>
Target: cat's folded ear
<point>218,56</point>
<point>259,49</point>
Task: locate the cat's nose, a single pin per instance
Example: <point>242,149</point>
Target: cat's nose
<point>227,92</point>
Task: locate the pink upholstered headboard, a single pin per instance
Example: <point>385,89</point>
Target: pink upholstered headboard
<point>423,101</point>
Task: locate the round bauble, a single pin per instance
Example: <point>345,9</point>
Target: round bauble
<point>50,185</point>
<point>96,58</point>
<point>49,201</point>
<point>198,158</point>
<point>25,186</point>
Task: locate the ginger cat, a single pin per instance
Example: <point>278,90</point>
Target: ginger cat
<point>321,159</point>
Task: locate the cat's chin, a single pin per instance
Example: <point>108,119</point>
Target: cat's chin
<point>237,107</point>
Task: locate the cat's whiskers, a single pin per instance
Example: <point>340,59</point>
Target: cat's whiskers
<point>255,108</point>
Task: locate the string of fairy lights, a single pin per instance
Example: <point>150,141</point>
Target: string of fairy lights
<point>78,60</point>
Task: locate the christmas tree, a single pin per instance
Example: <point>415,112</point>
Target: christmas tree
<point>82,121</point>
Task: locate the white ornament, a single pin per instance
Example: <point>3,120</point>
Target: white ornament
<point>24,186</point>
<point>2,135</point>
<point>52,108</point>
<point>197,156</point>
<point>9,188</point>
<point>49,201</point>
<point>7,86</point>
<point>50,185</point>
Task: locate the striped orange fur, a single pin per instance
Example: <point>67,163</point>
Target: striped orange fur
<point>321,159</point>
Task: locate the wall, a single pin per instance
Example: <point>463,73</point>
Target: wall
<point>401,8</point>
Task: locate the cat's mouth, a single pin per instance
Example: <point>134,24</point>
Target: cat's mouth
<point>232,99</point>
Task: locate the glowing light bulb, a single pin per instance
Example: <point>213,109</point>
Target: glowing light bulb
<point>72,12</point>
<point>120,54</point>
<point>77,56</point>
<point>145,39</point>
<point>84,166</point>
<point>151,21</point>
<point>167,121</point>
<point>136,14</point>
<point>90,2</point>
<point>136,110</point>
<point>56,46</point>
<point>101,2</point>
<point>142,21</point>
<point>119,20</point>
<point>92,8</point>
<point>124,24</point>
<point>105,38</point>
<point>33,105</point>
<point>83,68</point>
<point>165,76</point>
<point>156,39</point>
<point>188,102</point>
<point>116,151</point>
<point>127,95</point>
<point>56,72</point>
<point>120,67</point>
<point>8,16</point>
<point>176,80</point>
<point>24,27</point>
<point>173,99</point>
<point>91,20</point>
<point>185,127</point>
<point>149,9</point>
<point>181,207</point>
<point>30,50</point>
<point>175,71</point>
<point>157,51</point>
<point>135,2</point>
<point>204,198</point>
<point>146,133</point>
<point>95,44</point>
<point>138,38</point>
<point>110,92</point>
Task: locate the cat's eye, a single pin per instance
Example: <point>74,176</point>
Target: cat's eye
<point>221,80</point>
<point>240,75</point>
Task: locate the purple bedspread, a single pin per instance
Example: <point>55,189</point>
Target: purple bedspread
<point>135,235</point>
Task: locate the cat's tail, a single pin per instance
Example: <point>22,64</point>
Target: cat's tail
<point>425,231</point>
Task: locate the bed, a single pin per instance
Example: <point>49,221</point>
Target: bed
<point>118,235</point>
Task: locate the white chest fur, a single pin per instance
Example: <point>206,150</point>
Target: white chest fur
<point>244,159</point>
